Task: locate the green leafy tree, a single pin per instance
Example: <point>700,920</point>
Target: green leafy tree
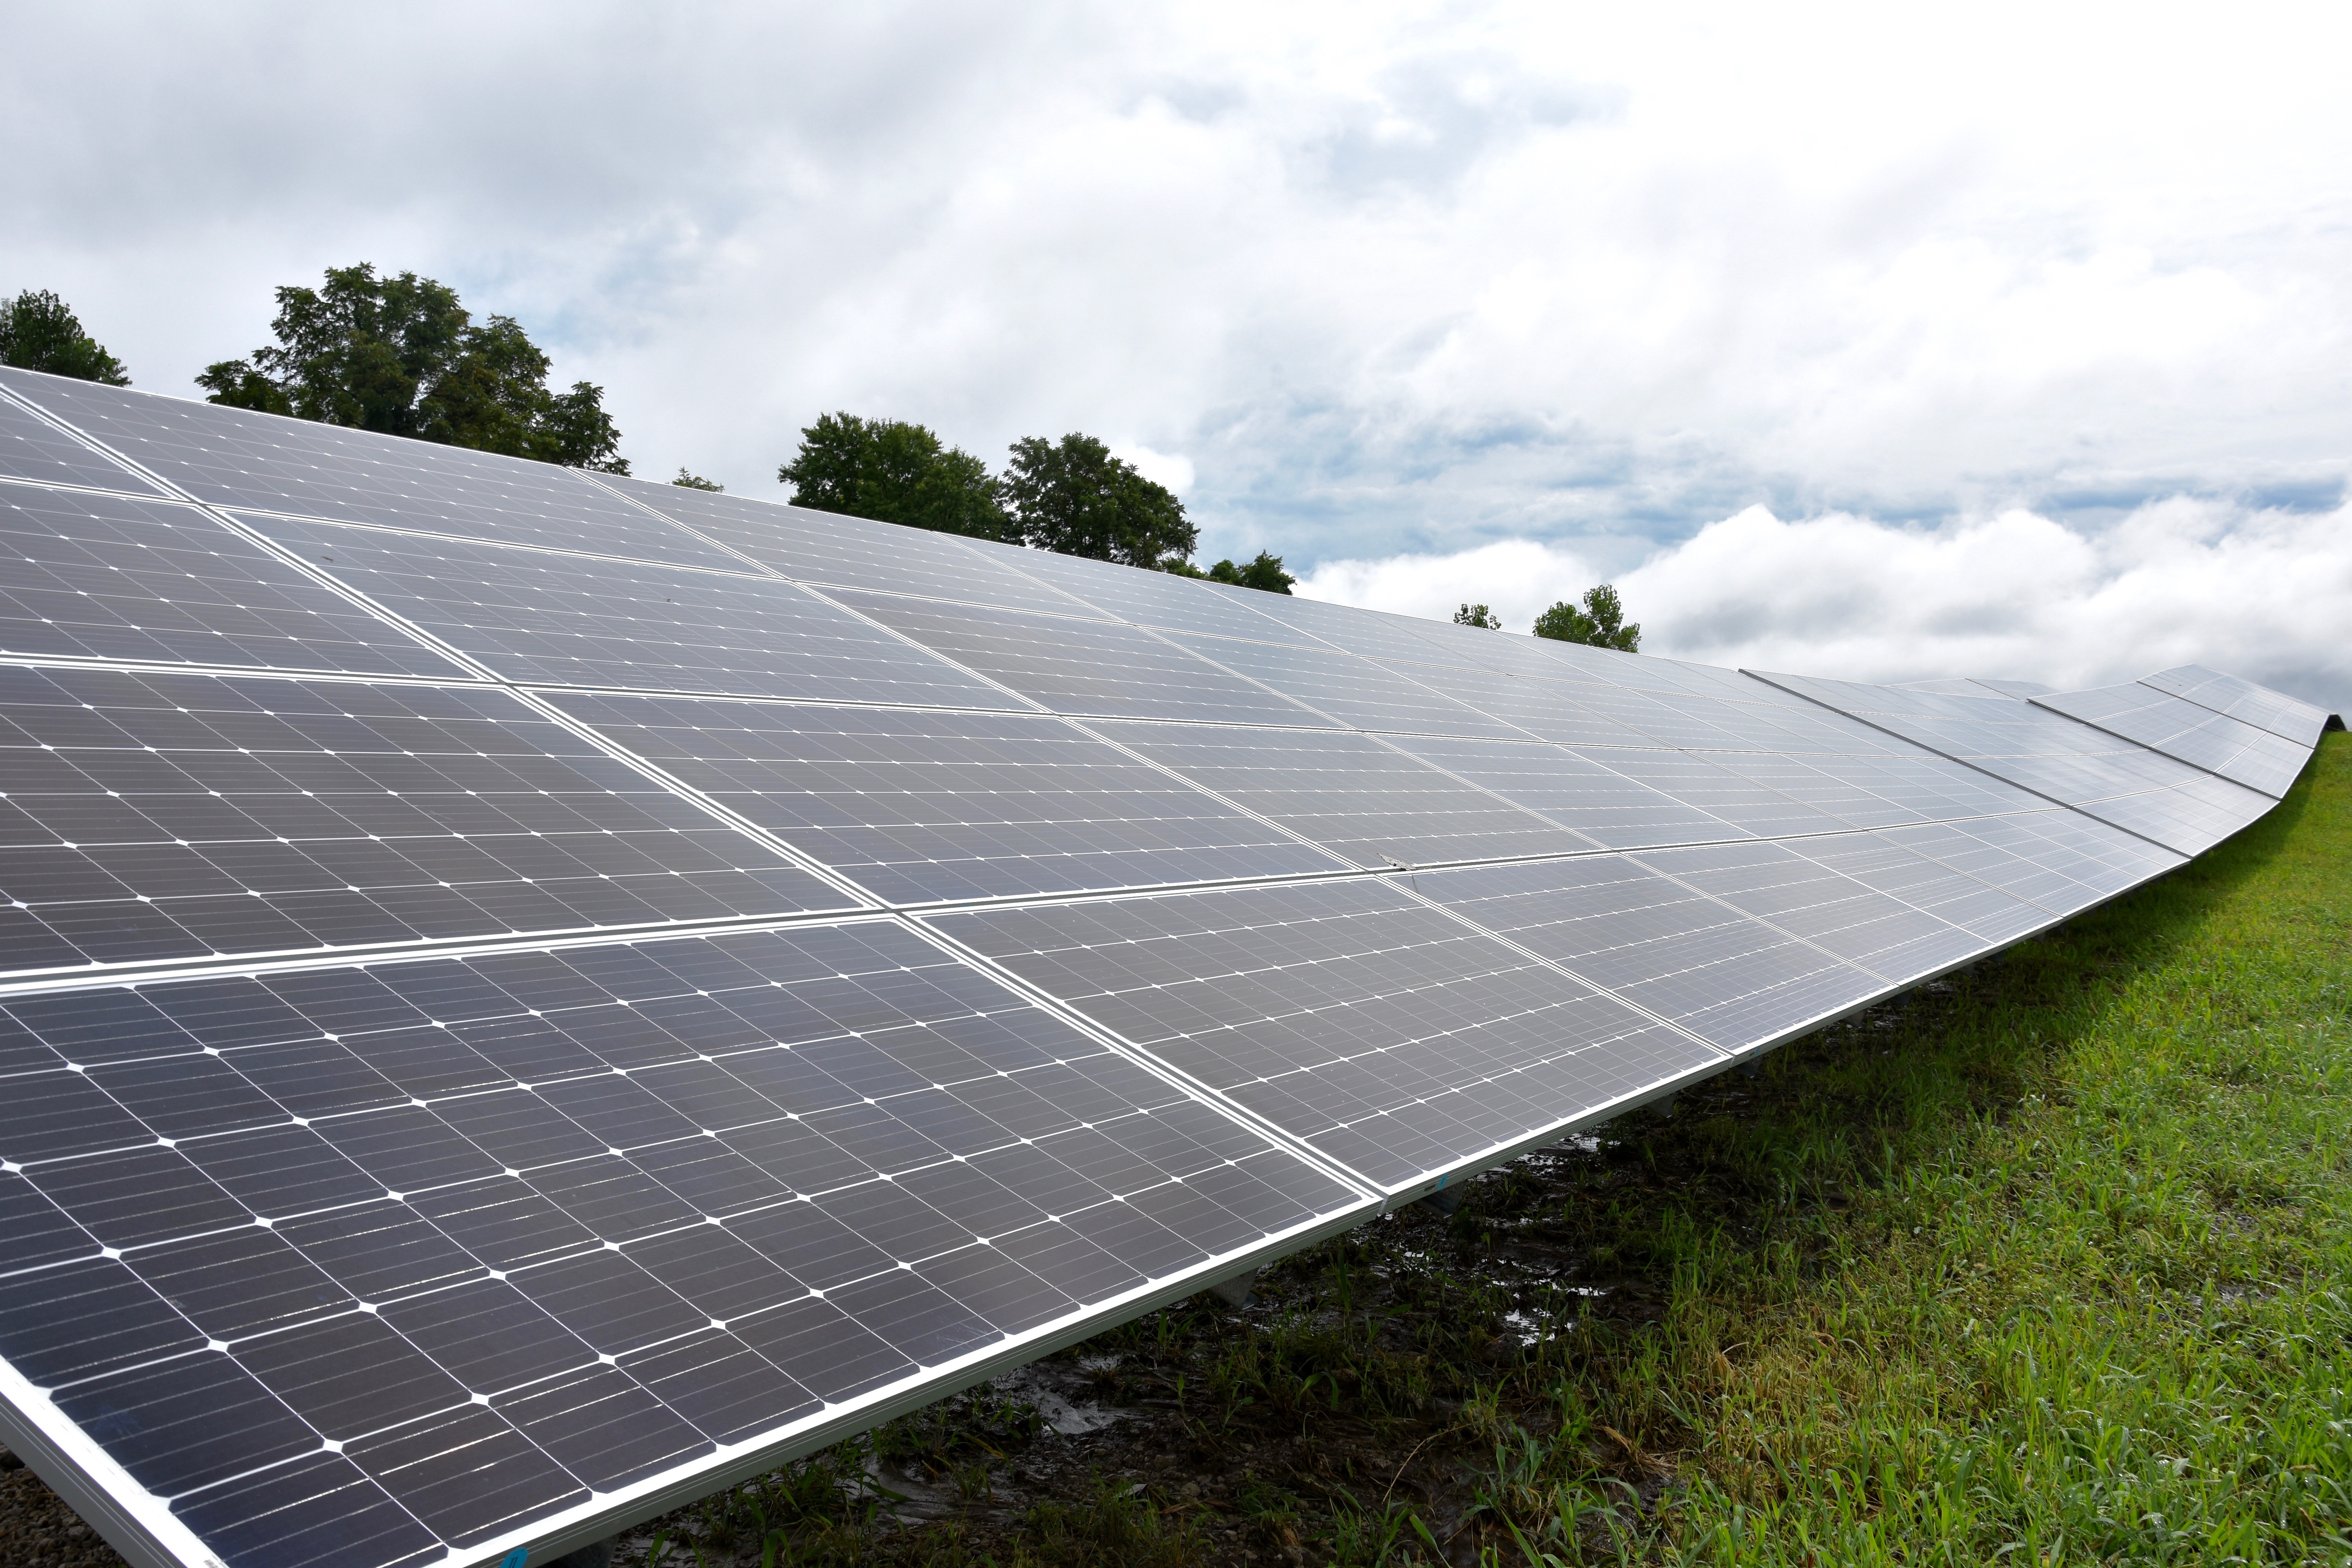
<point>1600,623</point>
<point>895,472</point>
<point>697,483</point>
<point>1262,572</point>
<point>1074,496</point>
<point>402,356</point>
<point>1478,616</point>
<point>39,331</point>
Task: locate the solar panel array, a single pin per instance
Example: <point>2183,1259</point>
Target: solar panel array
<point>529,995</point>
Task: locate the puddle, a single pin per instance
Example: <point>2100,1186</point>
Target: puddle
<point>1056,1389</point>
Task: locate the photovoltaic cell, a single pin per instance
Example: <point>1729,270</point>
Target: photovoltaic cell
<point>2061,759</point>
<point>1082,667</point>
<point>1870,929</point>
<point>1704,783</point>
<point>2298,721</point>
<point>1373,806</point>
<point>112,577</point>
<point>2197,735</point>
<point>1158,599</point>
<point>32,448</point>
<point>538,616</point>
<point>1393,1039</point>
<point>1356,691</point>
<point>1660,943</point>
<point>1544,708</point>
<point>1878,861</point>
<point>920,807</point>
<point>921,1165</point>
<point>231,457</point>
<point>1594,801</point>
<point>841,551</point>
<point>165,817</point>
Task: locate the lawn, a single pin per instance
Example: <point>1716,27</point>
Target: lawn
<point>2047,1262</point>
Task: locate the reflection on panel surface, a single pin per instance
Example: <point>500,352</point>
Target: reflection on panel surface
<point>1082,667</point>
<point>923,807</point>
<point>160,817</point>
<point>1348,792</point>
<point>537,617</point>
<point>1659,943</point>
<point>841,551</point>
<point>1395,1040</point>
<point>230,457</point>
<point>108,577</point>
<point>593,1212</point>
<point>31,448</point>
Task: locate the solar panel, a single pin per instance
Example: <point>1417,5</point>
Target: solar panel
<point>570,1221</point>
<point>1574,789</point>
<point>165,817</point>
<point>230,458</point>
<point>2237,750</point>
<point>113,577</point>
<point>1082,667</point>
<point>33,449</point>
<point>1872,929</point>
<point>2298,721</point>
<point>2063,759</point>
<point>531,996</point>
<point>545,617</point>
<point>924,807</point>
<point>1158,599</point>
<point>1358,692</point>
<point>835,550</point>
<point>1661,943</point>
<point>1367,801</point>
<point>1397,1041</point>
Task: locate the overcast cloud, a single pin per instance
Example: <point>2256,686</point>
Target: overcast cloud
<point>2002,342</point>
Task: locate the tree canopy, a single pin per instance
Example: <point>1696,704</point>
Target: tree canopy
<point>1263,572</point>
<point>697,483</point>
<point>400,356</point>
<point>1478,616</point>
<point>39,331</point>
<point>895,471</point>
<point>1600,623</point>
<point>1074,496</point>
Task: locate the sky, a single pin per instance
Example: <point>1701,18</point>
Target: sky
<point>1867,341</point>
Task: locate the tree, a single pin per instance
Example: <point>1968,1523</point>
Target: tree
<point>1263,572</point>
<point>1076,498</point>
<point>697,483</point>
<point>401,355</point>
<point>1600,623</point>
<point>39,331</point>
<point>895,472</point>
<point>1478,616</point>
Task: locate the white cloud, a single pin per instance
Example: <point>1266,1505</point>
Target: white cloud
<point>1389,278</point>
<point>1172,469</point>
<point>2267,594</point>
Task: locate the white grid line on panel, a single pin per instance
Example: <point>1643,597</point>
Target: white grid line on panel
<point>2164,751</point>
<point>2068,804</point>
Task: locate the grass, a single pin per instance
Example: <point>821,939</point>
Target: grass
<point>2051,1262</point>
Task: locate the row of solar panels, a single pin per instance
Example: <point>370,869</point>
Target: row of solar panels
<point>526,995</point>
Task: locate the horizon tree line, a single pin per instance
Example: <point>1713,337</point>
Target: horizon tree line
<point>401,355</point>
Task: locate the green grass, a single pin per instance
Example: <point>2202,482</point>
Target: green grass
<point>2051,1262</point>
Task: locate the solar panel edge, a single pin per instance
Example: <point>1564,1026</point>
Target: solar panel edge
<point>654,1494</point>
<point>1979,767</point>
<point>91,1482</point>
<point>660,1494</point>
<point>2050,701</point>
